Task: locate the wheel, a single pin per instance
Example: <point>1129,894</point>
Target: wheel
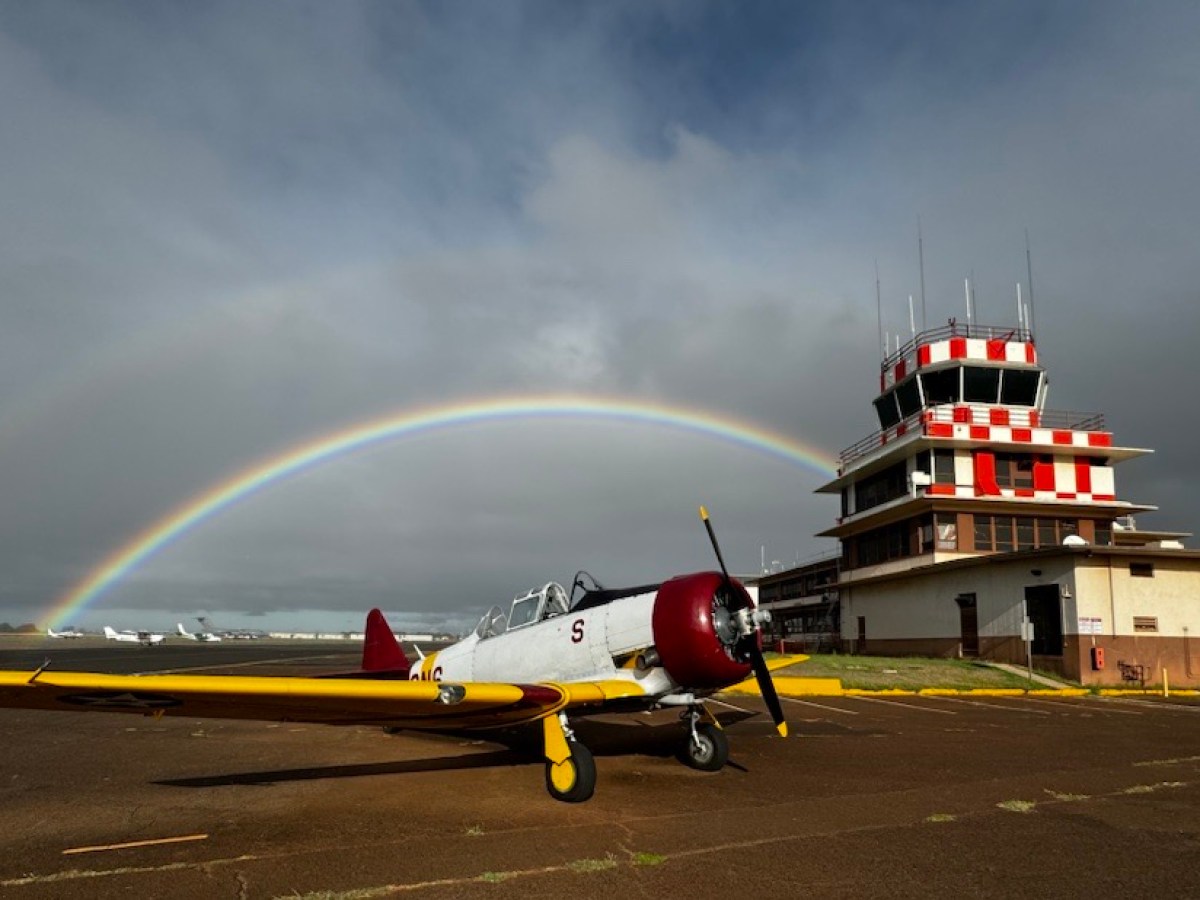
<point>708,751</point>
<point>574,779</point>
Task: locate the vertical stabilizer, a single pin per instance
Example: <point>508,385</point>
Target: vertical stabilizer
<point>381,651</point>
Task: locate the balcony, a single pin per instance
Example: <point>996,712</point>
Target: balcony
<point>952,414</point>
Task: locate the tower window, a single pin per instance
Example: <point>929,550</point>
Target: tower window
<point>889,413</point>
<point>981,385</point>
<point>941,386</point>
<point>1019,387</point>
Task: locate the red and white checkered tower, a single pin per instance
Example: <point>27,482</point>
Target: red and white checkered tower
<point>967,461</point>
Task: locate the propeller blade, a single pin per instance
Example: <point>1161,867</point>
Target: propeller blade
<point>712,537</point>
<point>761,673</point>
<point>767,687</point>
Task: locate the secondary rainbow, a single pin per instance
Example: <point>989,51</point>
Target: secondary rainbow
<point>406,424</point>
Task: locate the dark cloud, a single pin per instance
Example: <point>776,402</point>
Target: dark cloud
<point>229,230</point>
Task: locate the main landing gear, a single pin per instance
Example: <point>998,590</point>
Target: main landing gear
<point>706,747</point>
<point>570,768</point>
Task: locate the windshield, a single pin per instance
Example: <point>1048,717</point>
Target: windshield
<point>492,623</point>
<point>524,610</point>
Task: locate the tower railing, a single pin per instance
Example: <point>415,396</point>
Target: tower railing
<point>1058,420</point>
<point>955,329</point>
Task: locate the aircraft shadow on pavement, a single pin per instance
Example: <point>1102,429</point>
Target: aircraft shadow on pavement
<point>522,748</point>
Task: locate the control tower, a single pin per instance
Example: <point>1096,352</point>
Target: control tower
<point>977,522</point>
<point>968,461</point>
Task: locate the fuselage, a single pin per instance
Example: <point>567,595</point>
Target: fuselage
<point>665,639</point>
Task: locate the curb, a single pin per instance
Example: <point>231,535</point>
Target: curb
<point>788,686</point>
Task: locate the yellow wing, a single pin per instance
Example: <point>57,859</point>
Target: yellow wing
<point>332,701</point>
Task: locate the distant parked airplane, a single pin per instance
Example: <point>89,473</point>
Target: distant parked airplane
<point>147,638</point>
<point>69,633</point>
<point>205,636</point>
<point>242,634</point>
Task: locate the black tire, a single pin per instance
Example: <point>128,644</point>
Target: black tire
<point>583,769</point>
<point>712,751</point>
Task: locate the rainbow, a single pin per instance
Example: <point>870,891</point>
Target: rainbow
<point>328,447</point>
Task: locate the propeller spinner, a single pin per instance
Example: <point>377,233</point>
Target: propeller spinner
<point>747,621</point>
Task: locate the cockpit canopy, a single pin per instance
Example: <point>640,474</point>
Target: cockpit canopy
<point>528,608</point>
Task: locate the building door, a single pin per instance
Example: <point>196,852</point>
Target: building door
<point>861,646</point>
<point>1044,608</point>
<point>968,624</point>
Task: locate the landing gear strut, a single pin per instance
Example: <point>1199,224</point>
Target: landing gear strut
<point>570,768</point>
<point>706,747</point>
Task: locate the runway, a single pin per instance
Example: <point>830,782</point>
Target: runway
<point>909,797</point>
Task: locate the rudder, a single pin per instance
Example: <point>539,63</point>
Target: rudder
<point>381,650</point>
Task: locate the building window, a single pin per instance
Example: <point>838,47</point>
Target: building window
<point>947,531</point>
<point>940,386</point>
<point>881,487</point>
<point>1145,623</point>
<point>1141,569</point>
<point>879,545</point>
<point>1014,470</point>
<point>943,466</point>
<point>1002,533</point>
<point>1025,533</point>
<point>1020,387</point>
<point>1045,533</point>
<point>983,532</point>
<point>981,385</point>
<point>909,397</point>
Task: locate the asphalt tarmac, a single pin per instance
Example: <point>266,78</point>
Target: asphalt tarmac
<point>869,797</point>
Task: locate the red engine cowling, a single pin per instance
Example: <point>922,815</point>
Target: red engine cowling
<point>692,632</point>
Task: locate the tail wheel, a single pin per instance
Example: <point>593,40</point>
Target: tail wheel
<point>707,749</point>
<point>574,779</point>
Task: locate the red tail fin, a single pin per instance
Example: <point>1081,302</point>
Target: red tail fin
<point>381,652</point>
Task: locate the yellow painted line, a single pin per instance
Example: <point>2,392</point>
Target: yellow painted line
<point>793,686</point>
<point>127,845</point>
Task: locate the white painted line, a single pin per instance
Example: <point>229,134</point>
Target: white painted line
<point>940,712</point>
<point>254,662</point>
<point>1029,712</point>
<point>731,706</point>
<point>153,842</point>
<point>1173,707</point>
<point>836,709</point>
<point>1091,706</point>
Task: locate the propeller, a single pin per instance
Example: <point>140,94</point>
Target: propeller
<point>748,645</point>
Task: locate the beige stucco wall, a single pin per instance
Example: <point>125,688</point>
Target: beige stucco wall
<point>1108,590</point>
<point>918,614</point>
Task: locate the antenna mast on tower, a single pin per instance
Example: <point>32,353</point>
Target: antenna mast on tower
<point>921,263</point>
<point>879,311</point>
<point>1029,277</point>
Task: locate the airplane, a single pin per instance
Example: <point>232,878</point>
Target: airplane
<point>243,634</point>
<point>205,636</point>
<point>70,633</point>
<point>549,658</point>
<point>146,638</point>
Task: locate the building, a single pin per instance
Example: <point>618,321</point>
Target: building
<point>973,510</point>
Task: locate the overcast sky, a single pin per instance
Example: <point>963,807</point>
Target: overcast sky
<point>227,229</point>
